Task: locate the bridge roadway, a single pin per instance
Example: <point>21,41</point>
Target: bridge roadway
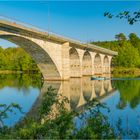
<point>57,57</point>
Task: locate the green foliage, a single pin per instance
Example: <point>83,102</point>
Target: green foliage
<point>128,50</point>
<point>59,123</point>
<point>48,100</point>
<point>96,125</point>
<point>20,80</point>
<point>131,17</point>
<point>97,128</point>
<point>51,123</point>
<point>128,56</point>
<point>56,122</point>
<point>120,37</point>
<point>135,41</point>
<point>16,59</point>
<point>129,93</point>
<point>4,109</point>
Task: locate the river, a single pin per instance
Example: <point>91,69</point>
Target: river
<point>122,97</point>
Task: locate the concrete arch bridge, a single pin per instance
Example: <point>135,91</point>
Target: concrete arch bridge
<point>58,58</point>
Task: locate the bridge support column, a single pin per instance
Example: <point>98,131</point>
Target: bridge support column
<point>92,58</point>
<point>65,61</point>
<point>102,63</point>
<point>110,59</point>
<point>80,53</point>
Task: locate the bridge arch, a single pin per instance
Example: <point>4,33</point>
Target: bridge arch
<point>75,92</point>
<point>87,88</point>
<point>40,56</point>
<point>74,63</point>
<point>87,64</point>
<point>97,64</point>
<point>106,85</point>
<point>98,88</point>
<point>106,64</point>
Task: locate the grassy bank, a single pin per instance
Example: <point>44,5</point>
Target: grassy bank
<point>125,72</point>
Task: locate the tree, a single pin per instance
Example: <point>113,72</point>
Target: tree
<point>16,59</point>
<point>131,17</point>
<point>128,55</point>
<point>2,58</point>
<point>120,37</point>
<point>134,39</point>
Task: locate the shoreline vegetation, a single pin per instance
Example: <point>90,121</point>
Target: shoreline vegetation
<point>16,60</point>
<point>125,72</point>
<point>19,72</point>
<point>114,71</point>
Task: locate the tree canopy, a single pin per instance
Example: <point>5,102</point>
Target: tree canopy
<point>16,59</point>
<point>131,17</point>
<point>128,50</point>
<point>120,37</point>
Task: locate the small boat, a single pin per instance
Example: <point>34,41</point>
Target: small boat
<point>98,78</point>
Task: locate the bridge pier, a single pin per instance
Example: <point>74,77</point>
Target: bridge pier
<point>65,61</point>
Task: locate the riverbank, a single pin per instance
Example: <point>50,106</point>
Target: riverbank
<point>126,72</point>
<point>114,71</point>
<point>18,72</point>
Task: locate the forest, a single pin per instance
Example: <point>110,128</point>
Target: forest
<point>128,50</point>
<point>16,59</point>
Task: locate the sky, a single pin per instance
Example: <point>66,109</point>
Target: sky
<point>80,20</point>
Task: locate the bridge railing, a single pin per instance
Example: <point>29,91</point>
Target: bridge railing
<point>3,18</point>
<point>32,27</point>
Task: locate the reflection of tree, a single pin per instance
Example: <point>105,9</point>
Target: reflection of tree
<point>5,109</point>
<point>20,80</point>
<point>129,92</point>
<point>121,104</point>
<point>135,101</point>
<point>98,86</point>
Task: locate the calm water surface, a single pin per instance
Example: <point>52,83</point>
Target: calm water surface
<point>122,97</point>
<point>21,89</point>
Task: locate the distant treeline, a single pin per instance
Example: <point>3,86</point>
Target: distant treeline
<point>128,50</point>
<point>16,59</point>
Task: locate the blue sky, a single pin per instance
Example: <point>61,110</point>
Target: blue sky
<point>81,20</point>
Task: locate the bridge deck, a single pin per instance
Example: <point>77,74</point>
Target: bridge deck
<point>37,33</point>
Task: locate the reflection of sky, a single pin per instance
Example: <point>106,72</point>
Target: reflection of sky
<point>130,117</point>
<point>25,98</point>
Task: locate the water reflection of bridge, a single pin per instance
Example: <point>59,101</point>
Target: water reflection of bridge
<point>80,91</point>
